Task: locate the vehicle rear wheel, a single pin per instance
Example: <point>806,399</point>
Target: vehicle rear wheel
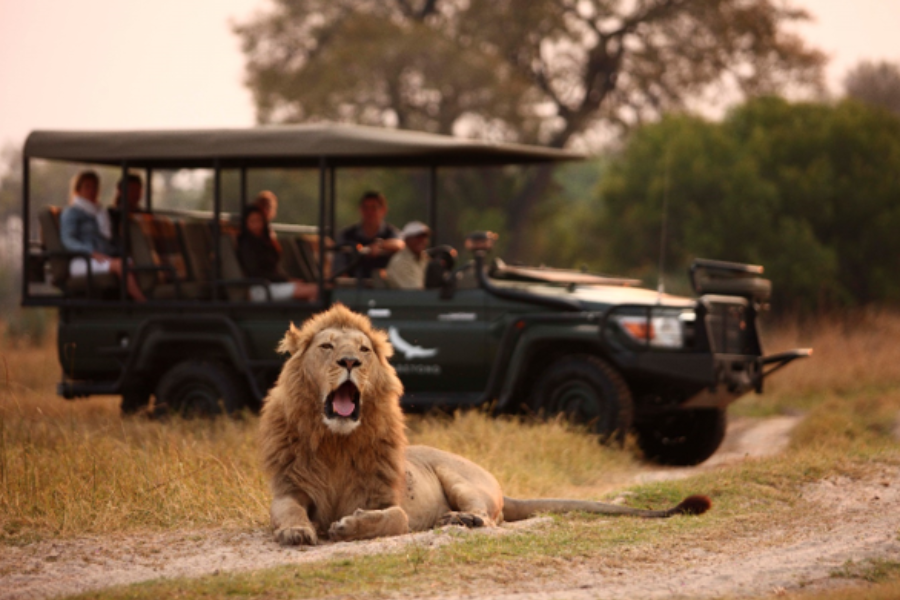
<point>198,388</point>
<point>684,438</point>
<point>587,390</point>
<point>134,399</point>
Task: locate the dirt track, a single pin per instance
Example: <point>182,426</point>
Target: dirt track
<point>859,519</point>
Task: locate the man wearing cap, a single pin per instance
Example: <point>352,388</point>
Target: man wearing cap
<point>378,238</point>
<point>406,271</point>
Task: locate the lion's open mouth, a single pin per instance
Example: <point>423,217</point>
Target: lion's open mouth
<point>343,402</point>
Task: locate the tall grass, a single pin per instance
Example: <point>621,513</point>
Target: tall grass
<point>71,468</point>
<point>76,467</point>
<point>852,352</point>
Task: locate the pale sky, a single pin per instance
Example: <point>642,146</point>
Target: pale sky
<point>136,64</point>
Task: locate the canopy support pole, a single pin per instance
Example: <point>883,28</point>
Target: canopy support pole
<point>332,225</point>
<point>26,224</point>
<point>432,203</point>
<point>323,184</point>
<point>243,189</point>
<point>216,227</point>
<point>124,238</point>
<point>148,187</point>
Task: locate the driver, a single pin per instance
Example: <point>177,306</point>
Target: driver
<point>406,270</point>
<point>378,239</point>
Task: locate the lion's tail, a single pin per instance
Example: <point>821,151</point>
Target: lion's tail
<point>516,510</point>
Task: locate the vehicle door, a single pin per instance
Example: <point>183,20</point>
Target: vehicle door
<point>439,344</point>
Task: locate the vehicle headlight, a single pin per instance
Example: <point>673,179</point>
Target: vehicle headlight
<point>658,327</point>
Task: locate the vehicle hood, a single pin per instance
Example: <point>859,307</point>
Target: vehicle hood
<point>598,297</point>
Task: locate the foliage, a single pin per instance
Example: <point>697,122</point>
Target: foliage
<point>808,190</point>
<point>545,71</point>
<point>876,84</point>
<point>536,72</point>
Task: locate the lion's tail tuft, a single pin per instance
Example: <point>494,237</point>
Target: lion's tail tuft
<point>693,505</point>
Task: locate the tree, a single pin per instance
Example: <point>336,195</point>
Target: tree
<point>543,71</point>
<point>808,190</point>
<point>876,84</point>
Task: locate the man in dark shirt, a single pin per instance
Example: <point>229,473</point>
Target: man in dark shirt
<point>134,194</point>
<point>377,239</point>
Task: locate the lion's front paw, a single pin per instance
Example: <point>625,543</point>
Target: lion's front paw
<point>296,536</point>
<point>462,519</point>
<point>345,529</point>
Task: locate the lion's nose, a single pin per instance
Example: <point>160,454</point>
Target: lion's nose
<point>348,362</point>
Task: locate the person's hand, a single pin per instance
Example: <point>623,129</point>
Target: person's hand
<point>376,247</point>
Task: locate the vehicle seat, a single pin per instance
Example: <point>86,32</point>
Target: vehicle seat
<point>292,260</point>
<point>198,249</point>
<point>157,277</point>
<point>101,285</point>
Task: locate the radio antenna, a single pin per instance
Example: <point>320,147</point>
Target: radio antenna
<point>660,284</point>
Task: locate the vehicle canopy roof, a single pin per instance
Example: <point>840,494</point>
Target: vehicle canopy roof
<point>282,146</point>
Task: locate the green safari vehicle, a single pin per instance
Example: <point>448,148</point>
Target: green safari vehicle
<point>600,350</point>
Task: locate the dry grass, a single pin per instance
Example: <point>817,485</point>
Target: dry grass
<point>530,459</point>
<point>70,468</point>
<point>851,352</point>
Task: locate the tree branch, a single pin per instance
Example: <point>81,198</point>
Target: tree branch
<point>409,11</point>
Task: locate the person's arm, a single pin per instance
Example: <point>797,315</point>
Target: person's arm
<point>389,243</point>
<point>69,232</point>
<point>390,246</point>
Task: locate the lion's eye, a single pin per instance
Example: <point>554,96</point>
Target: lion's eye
<point>364,348</point>
<point>326,346</point>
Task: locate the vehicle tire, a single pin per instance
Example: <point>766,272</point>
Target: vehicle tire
<point>196,388</point>
<point>684,438</point>
<point>134,400</point>
<point>588,391</point>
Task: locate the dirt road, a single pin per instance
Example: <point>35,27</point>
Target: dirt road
<point>859,520</point>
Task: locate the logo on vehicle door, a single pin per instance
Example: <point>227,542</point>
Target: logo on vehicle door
<point>409,351</point>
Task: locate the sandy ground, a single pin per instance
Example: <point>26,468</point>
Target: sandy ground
<point>860,519</point>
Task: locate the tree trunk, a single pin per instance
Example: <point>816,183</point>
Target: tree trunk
<point>522,206</point>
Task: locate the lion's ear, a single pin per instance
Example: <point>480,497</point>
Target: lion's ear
<point>382,346</point>
<point>292,341</point>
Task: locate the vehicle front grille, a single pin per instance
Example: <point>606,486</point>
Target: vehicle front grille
<point>730,332</point>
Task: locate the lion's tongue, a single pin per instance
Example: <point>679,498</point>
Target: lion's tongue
<point>343,401</point>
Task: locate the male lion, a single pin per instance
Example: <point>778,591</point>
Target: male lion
<point>334,445</point>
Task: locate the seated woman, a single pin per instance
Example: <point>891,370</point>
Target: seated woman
<point>84,226</point>
<point>260,257</point>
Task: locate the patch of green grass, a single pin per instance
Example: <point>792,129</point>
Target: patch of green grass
<point>873,571</point>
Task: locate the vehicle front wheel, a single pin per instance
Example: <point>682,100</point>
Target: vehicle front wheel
<point>684,437</point>
<point>198,388</point>
<point>587,390</point>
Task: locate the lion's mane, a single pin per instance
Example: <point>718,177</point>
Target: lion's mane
<point>302,455</point>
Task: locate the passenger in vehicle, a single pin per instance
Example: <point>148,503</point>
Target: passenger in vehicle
<point>260,258</point>
<point>133,196</point>
<point>84,226</point>
<point>267,202</point>
<point>377,238</point>
<point>406,269</point>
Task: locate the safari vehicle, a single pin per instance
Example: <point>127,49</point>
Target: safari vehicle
<point>601,350</point>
